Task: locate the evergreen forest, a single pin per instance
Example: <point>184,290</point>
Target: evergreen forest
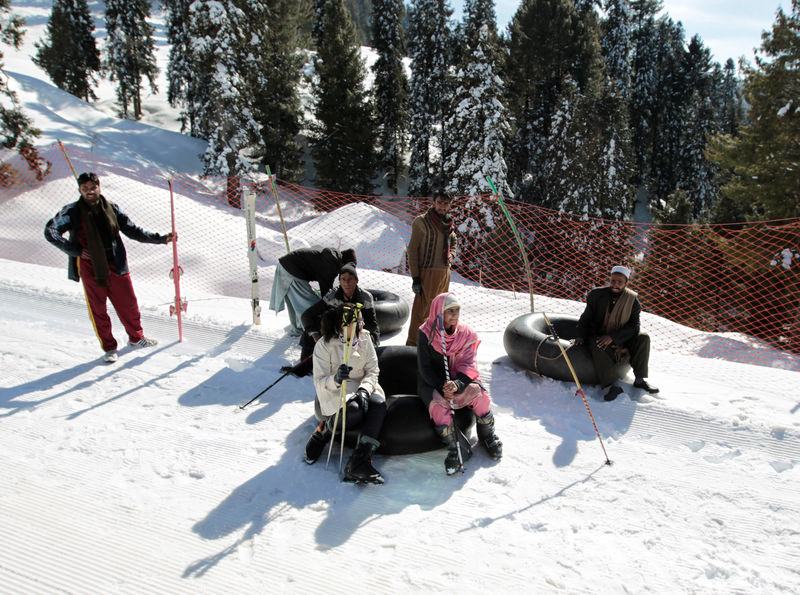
<point>583,106</point>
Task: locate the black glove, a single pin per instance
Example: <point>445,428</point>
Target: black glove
<point>361,398</point>
<point>416,285</point>
<point>342,373</point>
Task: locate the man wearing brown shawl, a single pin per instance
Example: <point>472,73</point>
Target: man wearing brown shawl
<point>610,327</point>
<point>97,257</point>
<point>430,251</point>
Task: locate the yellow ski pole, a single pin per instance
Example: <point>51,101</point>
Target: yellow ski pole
<point>346,321</point>
<point>577,383</point>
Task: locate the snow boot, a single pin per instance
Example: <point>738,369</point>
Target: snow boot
<point>613,392</point>
<point>316,444</point>
<point>645,386</point>
<point>452,438</point>
<point>359,468</point>
<point>487,437</point>
<point>306,365</point>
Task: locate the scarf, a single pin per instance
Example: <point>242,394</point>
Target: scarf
<point>616,316</point>
<point>446,224</point>
<point>461,344</point>
<point>94,238</point>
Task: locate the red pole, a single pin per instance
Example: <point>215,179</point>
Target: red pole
<point>176,268</point>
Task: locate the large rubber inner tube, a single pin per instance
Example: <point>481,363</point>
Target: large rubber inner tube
<point>408,428</point>
<point>528,343</point>
<point>390,310</point>
<point>398,364</point>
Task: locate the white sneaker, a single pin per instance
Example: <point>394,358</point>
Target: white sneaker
<point>111,356</point>
<point>143,342</point>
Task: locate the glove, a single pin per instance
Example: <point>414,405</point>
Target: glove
<point>416,285</point>
<point>361,398</point>
<point>342,373</point>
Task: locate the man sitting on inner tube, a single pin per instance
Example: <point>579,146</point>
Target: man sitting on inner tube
<point>348,292</point>
<point>610,327</point>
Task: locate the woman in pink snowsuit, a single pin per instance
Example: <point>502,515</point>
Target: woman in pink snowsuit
<point>454,382</point>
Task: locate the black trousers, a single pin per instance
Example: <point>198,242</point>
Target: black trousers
<point>605,362</point>
<point>370,423</point>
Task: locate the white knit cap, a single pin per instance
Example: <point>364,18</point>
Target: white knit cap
<point>622,271</point>
<point>450,301</point>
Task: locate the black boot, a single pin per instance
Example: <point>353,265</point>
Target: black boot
<point>306,365</point>
<point>316,444</point>
<point>454,460</point>
<point>487,437</point>
<point>359,468</point>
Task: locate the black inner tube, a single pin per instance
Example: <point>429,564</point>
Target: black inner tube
<point>528,343</point>
<point>407,429</point>
<point>390,310</point>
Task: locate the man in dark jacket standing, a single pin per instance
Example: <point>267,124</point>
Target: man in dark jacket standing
<point>430,251</point>
<point>348,292</point>
<point>294,272</point>
<point>97,257</point>
<point>610,327</point>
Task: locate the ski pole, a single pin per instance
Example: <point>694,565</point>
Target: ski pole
<point>63,150</point>
<point>346,321</point>
<point>510,219</point>
<point>577,383</point>
<point>440,319</point>
<point>278,204</point>
<point>281,377</point>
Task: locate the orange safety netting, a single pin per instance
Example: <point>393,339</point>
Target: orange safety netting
<point>736,278</point>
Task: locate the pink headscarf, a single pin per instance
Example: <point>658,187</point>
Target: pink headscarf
<point>461,345</point>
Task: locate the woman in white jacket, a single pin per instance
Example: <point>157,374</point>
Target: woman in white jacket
<point>366,401</point>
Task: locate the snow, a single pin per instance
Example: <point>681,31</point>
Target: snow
<point>146,476</point>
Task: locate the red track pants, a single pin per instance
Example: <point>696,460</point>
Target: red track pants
<point>120,293</point>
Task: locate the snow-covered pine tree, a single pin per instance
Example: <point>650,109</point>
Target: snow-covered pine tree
<point>699,177</point>
<point>319,17</point>
<point>130,52</point>
<point>731,105</point>
<point>670,108</point>
<point>645,86</point>
<point>480,116</point>
<point>564,164</point>
<point>17,131</point>
<point>225,37</point>
<point>390,88</point>
<point>181,70</point>
<point>476,153</point>
<point>429,40</point>
<point>68,53</point>
<point>611,159</point>
<point>477,109</point>
<point>536,69</point>
<point>277,107</point>
<point>696,175</point>
<point>17,128</point>
<point>762,161</point>
<point>617,48</point>
<point>342,136</point>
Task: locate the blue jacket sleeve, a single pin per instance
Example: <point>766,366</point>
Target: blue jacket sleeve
<point>133,231</point>
<point>56,227</point>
